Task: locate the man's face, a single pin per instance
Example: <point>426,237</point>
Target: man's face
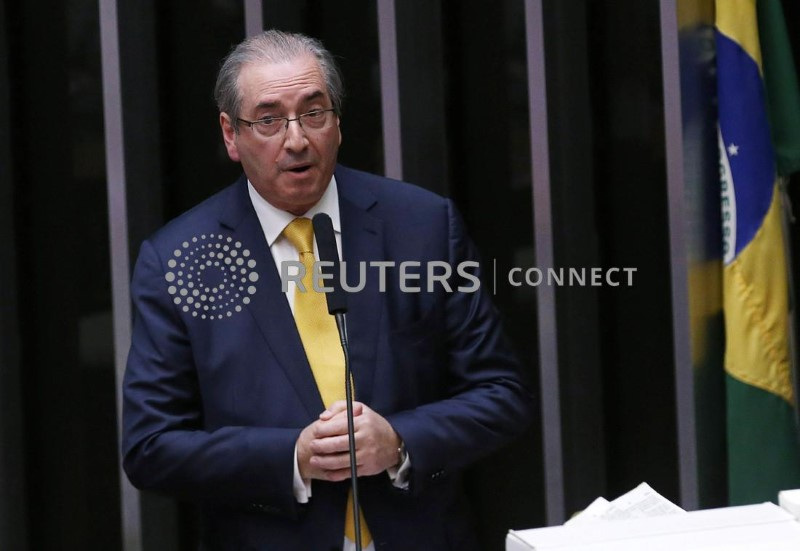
<point>293,168</point>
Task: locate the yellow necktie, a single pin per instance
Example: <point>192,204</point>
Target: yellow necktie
<point>321,343</point>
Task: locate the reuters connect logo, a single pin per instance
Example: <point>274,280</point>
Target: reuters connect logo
<point>211,276</point>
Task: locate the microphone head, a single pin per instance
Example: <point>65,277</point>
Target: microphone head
<point>326,244</point>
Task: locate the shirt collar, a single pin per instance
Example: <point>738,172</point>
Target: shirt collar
<point>273,220</point>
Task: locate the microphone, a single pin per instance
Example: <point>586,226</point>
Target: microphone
<point>337,307</point>
<point>326,245</point>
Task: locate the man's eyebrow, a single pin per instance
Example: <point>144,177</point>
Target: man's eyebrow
<point>313,95</point>
<point>268,105</point>
<point>273,104</point>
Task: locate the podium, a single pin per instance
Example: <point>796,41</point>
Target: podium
<point>764,527</point>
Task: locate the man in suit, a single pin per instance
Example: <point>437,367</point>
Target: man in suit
<point>232,400</point>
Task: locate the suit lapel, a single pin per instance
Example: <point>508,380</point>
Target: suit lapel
<point>268,305</point>
<point>362,242</point>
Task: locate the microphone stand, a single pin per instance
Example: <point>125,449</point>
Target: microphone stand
<point>341,325</point>
<point>337,306</point>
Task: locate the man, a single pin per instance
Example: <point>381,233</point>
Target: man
<point>233,394</point>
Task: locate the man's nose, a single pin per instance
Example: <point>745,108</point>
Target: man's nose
<point>295,138</point>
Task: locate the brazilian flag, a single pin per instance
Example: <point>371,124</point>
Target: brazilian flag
<point>763,436</point>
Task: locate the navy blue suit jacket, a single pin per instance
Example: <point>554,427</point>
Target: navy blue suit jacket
<point>217,392</point>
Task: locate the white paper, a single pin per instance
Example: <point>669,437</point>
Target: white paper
<point>641,502</point>
<point>593,512</point>
<point>790,500</point>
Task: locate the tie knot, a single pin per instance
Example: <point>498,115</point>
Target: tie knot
<point>300,233</point>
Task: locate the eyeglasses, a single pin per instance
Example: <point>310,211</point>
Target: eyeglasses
<point>270,126</point>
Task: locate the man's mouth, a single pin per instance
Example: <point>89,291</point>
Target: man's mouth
<point>299,169</point>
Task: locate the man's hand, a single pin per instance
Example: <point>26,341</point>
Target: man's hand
<point>322,448</point>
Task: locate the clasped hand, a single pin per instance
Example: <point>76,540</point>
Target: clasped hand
<point>322,448</point>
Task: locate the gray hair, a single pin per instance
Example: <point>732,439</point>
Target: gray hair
<point>273,47</point>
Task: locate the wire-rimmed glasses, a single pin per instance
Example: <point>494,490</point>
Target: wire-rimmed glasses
<point>268,127</point>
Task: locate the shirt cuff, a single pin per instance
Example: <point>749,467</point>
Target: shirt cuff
<point>301,487</point>
<point>399,475</point>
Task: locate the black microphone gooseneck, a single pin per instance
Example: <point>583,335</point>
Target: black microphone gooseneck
<point>337,307</point>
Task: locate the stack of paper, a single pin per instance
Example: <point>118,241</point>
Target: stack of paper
<point>641,502</point>
<point>643,520</point>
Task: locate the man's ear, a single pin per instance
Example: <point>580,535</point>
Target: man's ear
<point>229,135</point>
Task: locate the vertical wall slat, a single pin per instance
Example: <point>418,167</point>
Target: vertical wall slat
<point>684,376</point>
<point>253,17</point>
<point>390,90</point>
<point>118,236</point>
<point>543,244</point>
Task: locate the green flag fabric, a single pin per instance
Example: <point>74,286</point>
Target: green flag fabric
<point>780,80</point>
